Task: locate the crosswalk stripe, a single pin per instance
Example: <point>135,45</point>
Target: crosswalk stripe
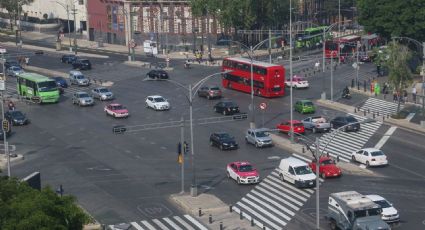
<point>182,222</point>
<point>261,217</point>
<point>146,223</point>
<point>295,191</point>
<point>160,224</point>
<point>280,198</point>
<point>170,222</point>
<point>290,195</point>
<point>273,202</point>
<point>257,202</point>
<point>136,226</point>
<point>195,222</point>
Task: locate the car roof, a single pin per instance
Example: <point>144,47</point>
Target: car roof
<point>305,100</point>
<point>155,96</point>
<point>114,104</point>
<point>75,72</point>
<point>375,197</point>
<point>81,92</point>
<point>240,163</point>
<point>292,121</point>
<point>294,161</point>
<point>371,149</point>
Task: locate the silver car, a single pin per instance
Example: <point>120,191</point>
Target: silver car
<point>77,78</point>
<point>102,94</point>
<point>82,99</point>
<point>258,137</point>
<point>317,124</point>
<point>14,71</point>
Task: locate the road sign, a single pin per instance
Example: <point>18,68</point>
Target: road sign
<point>36,99</point>
<point>263,106</point>
<point>5,125</point>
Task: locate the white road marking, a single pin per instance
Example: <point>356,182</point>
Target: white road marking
<point>195,222</point>
<point>136,226</point>
<point>170,222</point>
<point>410,116</point>
<point>385,138</point>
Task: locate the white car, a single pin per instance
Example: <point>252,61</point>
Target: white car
<point>370,157</point>
<point>297,82</point>
<point>3,50</point>
<point>157,102</point>
<point>389,213</point>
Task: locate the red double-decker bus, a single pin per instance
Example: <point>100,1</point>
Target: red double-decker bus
<point>347,46</point>
<point>269,79</point>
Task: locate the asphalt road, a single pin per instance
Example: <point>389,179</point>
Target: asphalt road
<point>122,178</point>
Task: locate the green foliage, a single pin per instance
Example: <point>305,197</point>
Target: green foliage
<point>400,75</point>
<point>12,5</point>
<point>393,17</point>
<point>23,208</point>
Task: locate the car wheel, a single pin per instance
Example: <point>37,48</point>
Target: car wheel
<point>238,180</point>
<point>114,115</point>
<point>147,106</point>
<point>106,113</point>
<point>314,130</point>
<point>281,177</point>
<point>353,158</point>
<point>367,164</point>
<point>256,145</point>
<point>295,86</point>
<point>246,140</point>
<point>323,176</point>
<point>224,112</point>
<point>221,147</point>
<point>155,108</point>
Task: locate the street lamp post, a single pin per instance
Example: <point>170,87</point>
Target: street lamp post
<point>66,7</point>
<point>339,29</point>
<point>332,76</point>
<point>6,147</point>
<point>74,12</point>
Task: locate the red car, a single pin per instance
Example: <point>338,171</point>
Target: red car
<point>116,110</point>
<point>285,126</point>
<point>327,167</point>
<point>242,173</point>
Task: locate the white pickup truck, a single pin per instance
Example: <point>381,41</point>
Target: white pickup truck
<point>317,124</point>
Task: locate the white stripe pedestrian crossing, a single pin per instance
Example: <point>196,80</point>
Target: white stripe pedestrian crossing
<point>375,105</point>
<point>185,222</point>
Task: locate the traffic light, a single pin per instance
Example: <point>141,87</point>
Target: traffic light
<point>179,153</point>
<point>6,125</point>
<point>186,147</point>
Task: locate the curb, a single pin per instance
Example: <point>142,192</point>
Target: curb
<point>3,160</point>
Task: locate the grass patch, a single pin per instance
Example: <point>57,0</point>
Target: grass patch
<point>406,111</point>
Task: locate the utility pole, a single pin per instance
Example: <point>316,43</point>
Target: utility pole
<point>317,183</point>
<point>357,63</point>
<point>270,46</point>
<point>74,12</point>
<point>252,123</point>
<point>324,52</point>
<point>339,31</point>
<point>132,42</point>
<point>193,187</point>
<point>209,36</point>
<point>290,70</point>
<point>182,151</point>
<point>69,27</point>
<point>423,79</point>
<point>332,79</point>
<point>6,147</point>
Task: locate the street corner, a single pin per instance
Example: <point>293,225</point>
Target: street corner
<point>354,169</point>
<point>285,143</point>
<point>193,205</point>
<point>335,105</point>
<point>13,158</point>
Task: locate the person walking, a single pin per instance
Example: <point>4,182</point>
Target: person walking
<point>414,93</point>
<point>27,61</point>
<point>405,95</point>
<point>395,96</point>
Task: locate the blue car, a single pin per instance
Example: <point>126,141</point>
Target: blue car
<point>61,82</point>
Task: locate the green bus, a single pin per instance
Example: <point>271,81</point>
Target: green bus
<point>311,36</point>
<point>30,85</point>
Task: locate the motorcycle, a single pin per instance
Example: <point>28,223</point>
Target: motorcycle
<point>346,95</point>
<point>187,65</point>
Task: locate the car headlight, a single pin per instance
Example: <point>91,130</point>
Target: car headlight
<point>15,120</point>
<point>225,144</point>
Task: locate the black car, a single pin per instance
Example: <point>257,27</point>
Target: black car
<point>157,74</point>
<point>8,133</point>
<point>68,58</point>
<point>10,63</point>
<point>16,117</point>
<point>226,108</point>
<point>61,82</point>
<point>81,64</point>
<point>223,140</point>
<point>349,123</point>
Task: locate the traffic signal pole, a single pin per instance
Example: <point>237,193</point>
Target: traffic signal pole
<point>5,129</point>
<point>182,151</point>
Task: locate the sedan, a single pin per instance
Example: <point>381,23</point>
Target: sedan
<point>82,99</point>
<point>370,157</point>
<point>242,172</point>
<point>157,74</point>
<point>81,64</point>
<point>223,140</point>
<point>285,127</point>
<point>297,82</point>
<point>347,123</point>
<point>10,63</point>
<point>16,117</point>
<point>68,58</point>
<point>61,82</point>
<point>258,137</point>
<point>304,106</point>
<point>102,94</point>
<point>327,167</point>
<point>317,124</point>
<point>226,108</point>
<point>210,92</point>
<point>14,71</point>
<point>389,213</point>
<point>157,102</point>
<point>116,110</point>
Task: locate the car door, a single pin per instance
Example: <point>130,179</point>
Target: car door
<point>214,139</point>
<point>233,171</point>
<point>358,155</point>
<point>251,137</point>
<point>290,175</point>
<point>366,156</point>
<point>307,123</point>
<point>336,122</point>
<point>219,107</point>
<point>149,101</point>
<point>95,93</point>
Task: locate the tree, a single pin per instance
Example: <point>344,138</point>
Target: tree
<point>13,7</point>
<point>393,17</point>
<point>24,208</point>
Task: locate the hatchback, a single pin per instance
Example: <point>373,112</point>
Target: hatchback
<point>209,92</point>
<point>157,74</point>
<point>304,106</point>
<point>81,64</point>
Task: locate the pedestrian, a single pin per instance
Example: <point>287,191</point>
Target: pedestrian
<point>394,96</point>
<point>11,105</point>
<point>414,93</point>
<point>27,61</point>
<point>405,95</point>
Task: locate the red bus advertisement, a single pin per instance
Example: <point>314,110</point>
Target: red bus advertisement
<point>268,78</point>
<point>346,44</point>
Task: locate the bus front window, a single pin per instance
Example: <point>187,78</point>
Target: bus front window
<point>47,86</point>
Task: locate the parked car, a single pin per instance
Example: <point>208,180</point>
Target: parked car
<point>116,110</point>
<point>157,74</point>
<point>61,82</point>
<point>296,172</point>
<point>102,93</point>
<point>297,82</point>
<point>370,157</point>
<point>349,123</point>
<point>157,102</point>
<point>77,78</point>
<point>285,126</point>
<point>10,63</point>
<point>223,141</point>
<point>327,167</point>
<point>82,99</point>
<point>3,50</point>
<point>317,124</point>
<point>304,106</point>
<point>210,92</point>
<point>242,172</point>
<point>389,213</point>
<point>68,58</point>
<point>14,71</point>
<point>258,137</point>
<point>81,64</point>
<point>226,108</point>
<point>8,133</point>
<point>16,117</point>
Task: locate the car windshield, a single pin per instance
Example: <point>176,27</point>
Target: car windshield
<point>83,95</point>
<point>103,90</point>
<point>159,99</point>
<point>214,88</point>
<point>229,104</point>
<point>224,136</point>
<point>328,162</point>
<point>383,203</point>
<point>297,124</point>
<point>369,212</point>
<point>377,153</point>
<point>302,170</point>
<point>47,86</point>
<point>246,168</point>
<point>261,134</point>
<point>351,119</point>
<point>300,79</point>
<point>308,103</point>
<point>117,107</point>
<point>85,61</point>
<point>16,68</point>
<point>79,76</point>
<point>16,114</point>
<point>59,78</point>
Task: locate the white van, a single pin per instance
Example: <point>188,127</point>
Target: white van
<point>296,172</point>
